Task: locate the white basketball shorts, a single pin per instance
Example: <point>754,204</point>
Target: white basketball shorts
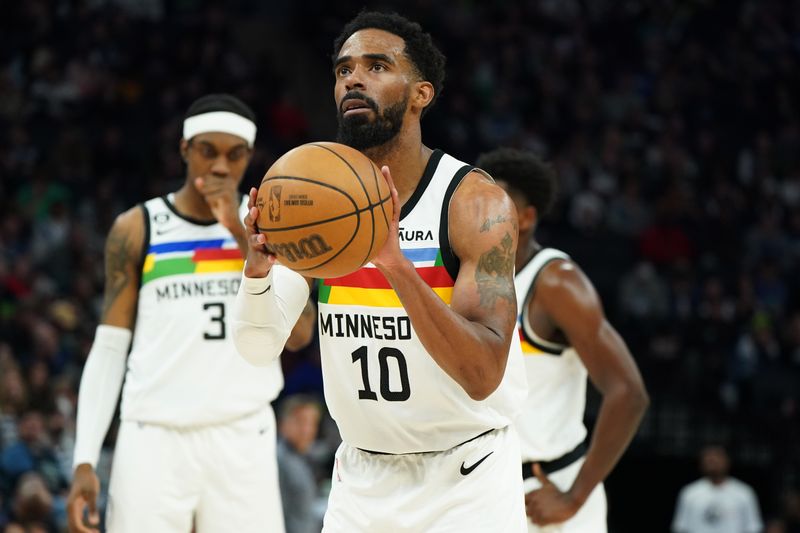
<point>221,478</point>
<point>473,487</point>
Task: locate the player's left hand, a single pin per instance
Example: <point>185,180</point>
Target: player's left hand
<point>222,196</point>
<point>548,505</point>
<point>390,255</point>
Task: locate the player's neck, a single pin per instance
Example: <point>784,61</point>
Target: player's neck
<point>406,157</point>
<point>190,203</point>
<point>526,249</point>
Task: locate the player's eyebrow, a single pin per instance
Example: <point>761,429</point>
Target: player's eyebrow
<point>376,57</point>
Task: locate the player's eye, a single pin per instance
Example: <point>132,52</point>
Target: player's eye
<point>379,67</point>
<point>237,154</point>
<point>207,152</point>
<point>343,71</point>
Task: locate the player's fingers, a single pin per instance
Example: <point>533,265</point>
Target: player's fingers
<point>75,517</point>
<point>540,475</point>
<point>251,197</point>
<point>200,184</point>
<point>257,241</point>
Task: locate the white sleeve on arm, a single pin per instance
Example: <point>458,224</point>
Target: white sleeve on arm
<point>100,385</point>
<point>265,312</point>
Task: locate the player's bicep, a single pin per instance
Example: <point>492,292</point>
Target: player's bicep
<point>483,233</point>
<point>122,260</point>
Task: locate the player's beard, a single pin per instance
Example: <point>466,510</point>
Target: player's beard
<point>361,133</point>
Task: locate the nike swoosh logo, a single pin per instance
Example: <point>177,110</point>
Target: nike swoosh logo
<point>467,470</point>
<point>163,231</point>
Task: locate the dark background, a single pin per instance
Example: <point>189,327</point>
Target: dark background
<point>673,125</point>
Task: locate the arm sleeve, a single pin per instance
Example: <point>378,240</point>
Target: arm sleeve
<point>99,391</point>
<point>265,312</point>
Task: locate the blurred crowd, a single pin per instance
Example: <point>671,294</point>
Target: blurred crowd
<point>674,127</point>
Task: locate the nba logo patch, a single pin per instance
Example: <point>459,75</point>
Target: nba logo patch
<point>275,203</point>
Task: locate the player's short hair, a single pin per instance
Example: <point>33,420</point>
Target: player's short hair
<point>220,102</point>
<point>524,172</point>
<point>427,59</point>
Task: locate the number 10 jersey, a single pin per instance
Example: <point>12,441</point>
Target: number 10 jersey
<point>384,390</point>
<point>183,369</point>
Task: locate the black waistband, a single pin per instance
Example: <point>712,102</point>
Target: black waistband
<point>548,467</point>
<point>432,451</point>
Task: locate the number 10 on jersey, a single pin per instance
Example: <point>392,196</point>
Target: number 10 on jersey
<point>389,359</point>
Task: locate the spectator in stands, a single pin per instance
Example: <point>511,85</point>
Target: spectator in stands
<point>717,503</point>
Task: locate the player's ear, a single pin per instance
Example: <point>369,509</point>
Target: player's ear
<point>528,217</point>
<point>423,94</point>
<point>184,150</point>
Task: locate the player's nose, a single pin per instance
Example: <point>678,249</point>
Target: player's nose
<point>354,80</point>
<point>220,167</point>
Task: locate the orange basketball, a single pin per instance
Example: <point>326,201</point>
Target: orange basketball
<point>325,209</point>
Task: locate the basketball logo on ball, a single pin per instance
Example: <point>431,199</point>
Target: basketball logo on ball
<point>328,209</point>
<point>275,203</point>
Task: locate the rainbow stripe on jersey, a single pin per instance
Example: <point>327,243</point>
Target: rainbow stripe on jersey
<point>528,348</point>
<point>191,257</point>
<point>368,287</point>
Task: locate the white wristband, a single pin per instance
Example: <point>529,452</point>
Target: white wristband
<point>265,312</point>
<point>100,385</point>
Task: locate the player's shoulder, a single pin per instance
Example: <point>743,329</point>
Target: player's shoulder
<point>478,190</point>
<point>129,227</point>
<point>561,274</point>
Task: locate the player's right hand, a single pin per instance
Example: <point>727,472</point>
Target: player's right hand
<point>259,259</point>
<point>83,494</point>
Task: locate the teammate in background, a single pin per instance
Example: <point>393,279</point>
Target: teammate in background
<point>564,334</point>
<point>197,439</point>
<point>717,502</point>
<point>421,364</point>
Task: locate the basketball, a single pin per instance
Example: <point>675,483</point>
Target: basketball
<point>325,209</point>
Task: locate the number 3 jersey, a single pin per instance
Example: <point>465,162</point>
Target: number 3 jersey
<point>384,390</point>
<point>183,369</point>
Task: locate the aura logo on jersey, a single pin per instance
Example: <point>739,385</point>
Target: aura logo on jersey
<point>275,203</point>
<point>407,235</point>
<point>306,248</point>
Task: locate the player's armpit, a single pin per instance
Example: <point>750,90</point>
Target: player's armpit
<point>123,255</point>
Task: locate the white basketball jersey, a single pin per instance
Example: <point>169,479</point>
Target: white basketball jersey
<point>551,423</point>
<point>384,390</point>
<point>183,369</point>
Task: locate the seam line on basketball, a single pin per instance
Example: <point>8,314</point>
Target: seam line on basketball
<point>363,187</point>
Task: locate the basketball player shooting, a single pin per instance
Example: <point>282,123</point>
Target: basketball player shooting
<point>565,334</point>
<point>421,364</point>
<point>196,443</point>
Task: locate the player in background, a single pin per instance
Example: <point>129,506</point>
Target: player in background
<point>196,442</point>
<point>421,363</point>
<point>565,335</point>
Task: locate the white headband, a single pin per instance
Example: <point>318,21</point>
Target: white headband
<point>220,121</point>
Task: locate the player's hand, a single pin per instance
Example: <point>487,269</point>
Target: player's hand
<point>83,494</point>
<point>390,255</point>
<point>548,505</point>
<point>259,259</point>
<point>222,196</point>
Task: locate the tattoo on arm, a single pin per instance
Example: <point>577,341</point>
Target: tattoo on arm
<point>489,222</point>
<point>494,273</point>
<point>117,274</point>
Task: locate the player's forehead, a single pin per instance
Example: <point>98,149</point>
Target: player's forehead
<point>219,140</point>
<point>371,41</point>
